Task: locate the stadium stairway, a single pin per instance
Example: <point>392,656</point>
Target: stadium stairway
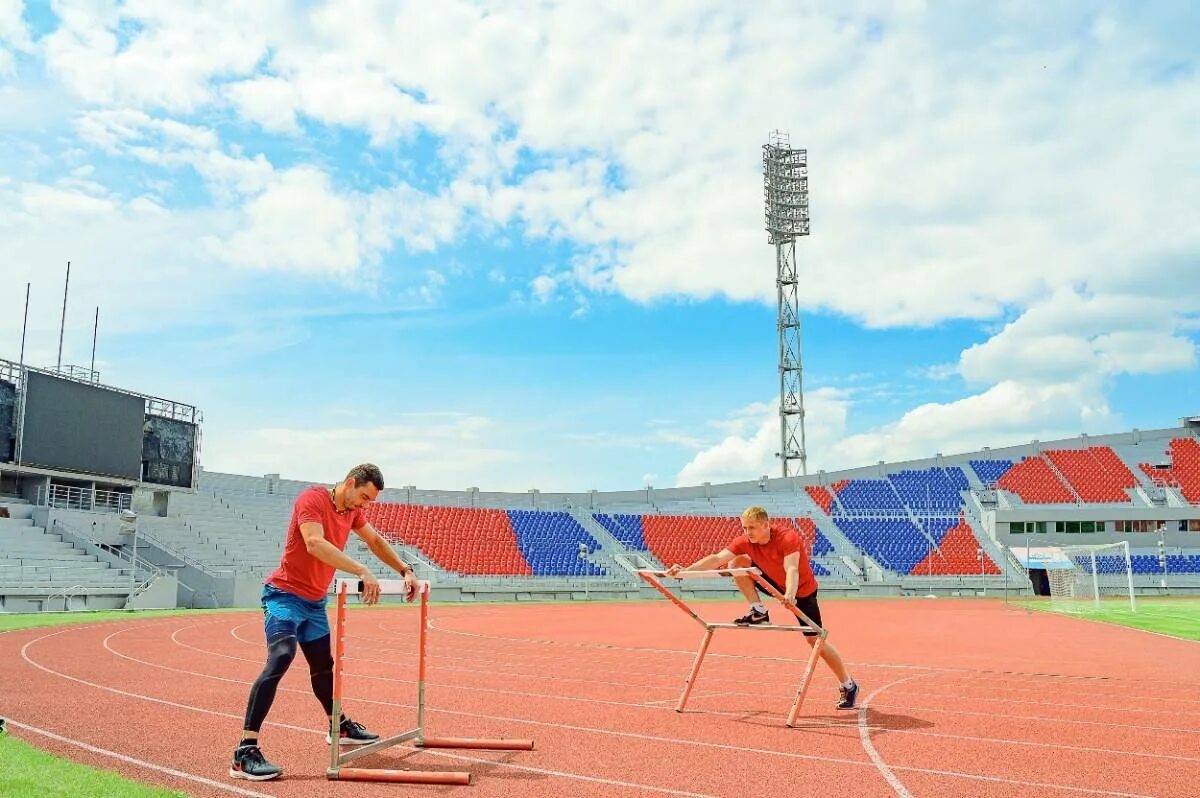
<point>39,570</point>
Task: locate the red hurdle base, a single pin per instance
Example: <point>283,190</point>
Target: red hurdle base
<point>483,745</point>
<point>452,777</point>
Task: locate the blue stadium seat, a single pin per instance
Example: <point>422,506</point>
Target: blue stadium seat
<point>625,528</point>
<point>990,471</point>
<point>550,541</point>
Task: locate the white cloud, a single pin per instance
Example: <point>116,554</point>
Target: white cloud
<point>170,58</point>
<point>298,224</point>
<point>749,449</point>
<point>13,34</point>
<point>1069,336</point>
<point>953,164</point>
<point>430,450</point>
<point>543,287</point>
<point>1008,413</point>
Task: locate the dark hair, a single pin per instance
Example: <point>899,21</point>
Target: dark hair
<point>367,472</point>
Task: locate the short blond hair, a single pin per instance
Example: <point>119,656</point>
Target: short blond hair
<point>755,513</point>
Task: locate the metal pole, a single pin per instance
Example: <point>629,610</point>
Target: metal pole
<point>95,331</point>
<point>63,326</point>
<point>132,559</point>
<point>1129,576</point>
<point>25,325</point>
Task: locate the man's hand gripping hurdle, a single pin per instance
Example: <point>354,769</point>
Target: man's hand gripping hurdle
<point>805,625</point>
<point>338,760</point>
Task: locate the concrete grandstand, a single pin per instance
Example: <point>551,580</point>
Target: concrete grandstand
<point>944,525</point>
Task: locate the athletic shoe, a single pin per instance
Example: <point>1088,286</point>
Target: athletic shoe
<point>354,734</point>
<point>249,763</point>
<point>847,696</point>
<point>753,618</point>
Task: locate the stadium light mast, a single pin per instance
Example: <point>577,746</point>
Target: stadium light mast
<point>785,191</point>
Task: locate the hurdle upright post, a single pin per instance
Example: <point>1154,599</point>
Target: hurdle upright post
<point>339,650</point>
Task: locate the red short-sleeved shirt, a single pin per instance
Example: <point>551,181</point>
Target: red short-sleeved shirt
<point>299,572</point>
<point>768,558</point>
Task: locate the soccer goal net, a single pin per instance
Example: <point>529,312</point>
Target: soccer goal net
<point>1096,573</point>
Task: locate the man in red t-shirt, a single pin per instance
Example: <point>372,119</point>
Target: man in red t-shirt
<point>780,555</point>
<point>293,603</point>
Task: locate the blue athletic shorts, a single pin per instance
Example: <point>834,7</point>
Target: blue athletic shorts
<point>288,614</point>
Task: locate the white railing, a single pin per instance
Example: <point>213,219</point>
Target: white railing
<point>91,500</point>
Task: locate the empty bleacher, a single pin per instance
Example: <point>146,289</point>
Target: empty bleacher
<point>867,495</point>
<point>1184,469</point>
<point>990,471</point>
<point>895,543</point>
<point>1036,483</point>
<point>551,541</point>
<point>465,540</point>
<point>821,496</point>
<point>1096,474</point>
<point>930,491</point>
<point>37,563</point>
<point>625,527</point>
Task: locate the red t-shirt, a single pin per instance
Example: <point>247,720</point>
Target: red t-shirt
<point>299,572</point>
<point>768,558</point>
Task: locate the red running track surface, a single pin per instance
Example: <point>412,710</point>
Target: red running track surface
<point>963,698</point>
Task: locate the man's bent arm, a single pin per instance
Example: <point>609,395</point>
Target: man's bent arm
<point>382,549</point>
<point>326,552</point>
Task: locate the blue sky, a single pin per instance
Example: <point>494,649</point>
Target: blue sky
<point>524,248</point>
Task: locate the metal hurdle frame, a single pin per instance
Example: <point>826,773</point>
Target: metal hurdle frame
<point>337,760</point>
<point>806,624</point>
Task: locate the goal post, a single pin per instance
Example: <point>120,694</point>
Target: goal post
<point>1092,574</point>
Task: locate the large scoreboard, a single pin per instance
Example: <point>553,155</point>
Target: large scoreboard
<point>60,422</point>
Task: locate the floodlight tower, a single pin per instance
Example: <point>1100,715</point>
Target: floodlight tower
<point>785,189</point>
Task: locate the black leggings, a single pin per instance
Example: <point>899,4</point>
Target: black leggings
<point>281,650</point>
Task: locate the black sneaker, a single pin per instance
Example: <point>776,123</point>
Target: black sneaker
<point>249,763</point>
<point>847,696</point>
<point>753,618</point>
<point>354,734</point>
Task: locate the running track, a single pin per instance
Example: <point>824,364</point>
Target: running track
<point>962,699</point>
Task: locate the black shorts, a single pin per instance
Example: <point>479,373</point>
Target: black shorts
<point>806,604</point>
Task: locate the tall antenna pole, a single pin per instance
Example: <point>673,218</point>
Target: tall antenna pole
<point>785,189</point>
<point>63,327</point>
<point>24,326</point>
<point>95,332</point>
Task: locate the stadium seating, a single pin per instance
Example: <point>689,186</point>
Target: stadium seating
<point>868,495</point>
<point>1185,465</point>
<point>959,550</point>
<point>893,542</point>
<point>1159,476</point>
<point>1184,471</point>
<point>820,495</point>
<point>550,543</point>
<point>929,491</point>
<point>626,528</point>
<point>1096,474</point>
<point>1033,480</point>
<point>466,540</point>
<point>990,471</point>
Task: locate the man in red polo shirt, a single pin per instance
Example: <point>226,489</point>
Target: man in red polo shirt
<point>780,555</point>
<point>293,601</point>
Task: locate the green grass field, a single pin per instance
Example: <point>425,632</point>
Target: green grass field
<point>26,772</point>
<point>1175,617</point>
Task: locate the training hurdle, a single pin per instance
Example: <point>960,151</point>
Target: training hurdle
<point>337,760</point>
<point>805,624</point>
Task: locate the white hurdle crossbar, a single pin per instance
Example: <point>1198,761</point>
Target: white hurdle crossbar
<point>654,578</point>
<point>338,760</point>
